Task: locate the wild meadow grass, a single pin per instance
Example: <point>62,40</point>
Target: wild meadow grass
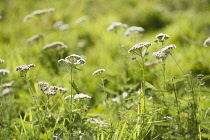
<point>92,72</point>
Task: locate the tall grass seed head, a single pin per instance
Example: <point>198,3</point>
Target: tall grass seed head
<point>207,42</point>
<point>99,71</point>
<point>115,25</point>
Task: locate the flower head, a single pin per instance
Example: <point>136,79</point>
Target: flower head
<point>38,12</point>
<point>81,19</point>
<point>81,96</point>
<point>1,61</point>
<point>115,25</point>
<point>4,71</point>
<point>207,42</point>
<point>159,54</point>
<point>23,69</point>
<point>137,49</point>
<point>72,60</point>
<point>168,49</point>
<point>161,37</point>
<point>58,45</point>
<point>34,38</point>
<point>99,71</point>
<point>133,30</point>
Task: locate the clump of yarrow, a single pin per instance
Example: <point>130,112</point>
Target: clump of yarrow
<point>37,13</point>
<point>23,69</point>
<point>133,30</point>
<point>207,42</point>
<point>2,60</point>
<point>55,45</point>
<point>98,72</point>
<point>116,25</point>
<point>78,96</point>
<point>4,71</point>
<point>59,25</point>
<point>51,90</point>
<point>138,49</point>
<point>81,20</point>
<point>161,38</point>
<point>162,54</point>
<point>72,60</point>
<point>35,38</point>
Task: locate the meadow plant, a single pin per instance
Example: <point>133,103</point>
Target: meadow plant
<point>133,30</point>
<point>207,42</point>
<point>100,73</point>
<point>116,25</point>
<point>34,39</point>
<point>37,13</point>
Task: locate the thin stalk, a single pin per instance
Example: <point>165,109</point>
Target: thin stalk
<point>177,64</point>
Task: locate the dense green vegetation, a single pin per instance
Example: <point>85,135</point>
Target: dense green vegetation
<point>132,98</point>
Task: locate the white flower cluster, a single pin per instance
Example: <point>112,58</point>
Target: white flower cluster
<point>38,12</point>
<point>99,71</point>
<point>133,30</point>
<point>72,60</point>
<point>161,37</point>
<point>115,25</point>
<point>139,46</point>
<point>58,45</point>
<point>207,42</point>
<point>23,69</point>
<point>60,25</point>
<point>164,52</point>
<point>1,60</point>
<point>81,19</point>
<point>4,71</point>
<point>34,38</point>
<point>52,90</point>
<point>78,96</point>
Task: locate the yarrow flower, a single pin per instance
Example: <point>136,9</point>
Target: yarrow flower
<point>34,38</point>
<point>81,96</point>
<point>161,37</point>
<point>4,71</point>
<point>134,30</point>
<point>200,76</point>
<point>6,91</point>
<point>7,85</point>
<point>58,45</point>
<point>116,25</point>
<point>23,69</point>
<point>207,42</point>
<point>164,52</point>
<point>72,60</point>
<point>1,60</point>
<point>99,71</point>
<point>52,90</point>
<point>38,12</point>
<point>60,25</point>
<point>138,47</point>
<point>81,19</point>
